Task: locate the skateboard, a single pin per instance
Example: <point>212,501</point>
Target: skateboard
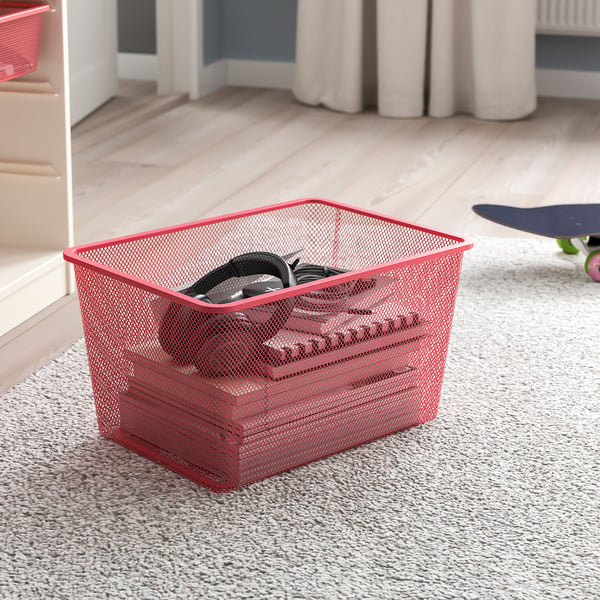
<point>576,227</point>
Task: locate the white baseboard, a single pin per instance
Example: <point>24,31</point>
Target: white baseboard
<point>270,74</point>
<point>258,73</point>
<point>568,84</point>
<point>137,66</point>
<point>245,73</point>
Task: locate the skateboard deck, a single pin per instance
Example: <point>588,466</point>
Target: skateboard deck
<point>556,221</point>
<point>575,226</point>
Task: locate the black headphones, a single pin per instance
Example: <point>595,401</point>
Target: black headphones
<point>224,344</point>
<point>333,299</point>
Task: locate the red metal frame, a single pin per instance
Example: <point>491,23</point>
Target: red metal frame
<point>74,254</point>
<point>21,10</point>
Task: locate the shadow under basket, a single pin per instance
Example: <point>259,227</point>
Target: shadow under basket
<point>20,26</point>
<point>305,371</point>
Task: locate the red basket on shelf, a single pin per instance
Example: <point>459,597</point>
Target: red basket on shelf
<point>227,393</point>
<point>20,24</point>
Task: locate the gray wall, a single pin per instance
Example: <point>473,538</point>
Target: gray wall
<point>214,31</point>
<point>250,29</point>
<point>136,26</point>
<point>260,29</point>
<point>572,53</point>
<point>266,30</point>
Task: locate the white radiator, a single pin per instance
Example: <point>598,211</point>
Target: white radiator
<point>569,17</point>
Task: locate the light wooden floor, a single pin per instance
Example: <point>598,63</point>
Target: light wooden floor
<point>135,169</point>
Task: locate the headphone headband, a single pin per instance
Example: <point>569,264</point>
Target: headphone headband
<point>251,263</point>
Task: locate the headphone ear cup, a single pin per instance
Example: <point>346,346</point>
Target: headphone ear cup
<point>225,346</point>
<point>176,333</point>
<point>280,311</point>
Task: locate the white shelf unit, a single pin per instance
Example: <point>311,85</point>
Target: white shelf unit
<point>36,222</point>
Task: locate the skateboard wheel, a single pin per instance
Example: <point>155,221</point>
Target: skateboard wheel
<point>566,246</point>
<point>592,265</point>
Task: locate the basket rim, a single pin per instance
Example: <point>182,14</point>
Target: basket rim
<point>22,10</point>
<point>73,255</point>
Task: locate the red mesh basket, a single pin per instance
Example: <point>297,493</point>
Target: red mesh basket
<point>227,393</point>
<point>20,24</point>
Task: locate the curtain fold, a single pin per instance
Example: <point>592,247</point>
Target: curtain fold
<point>417,57</point>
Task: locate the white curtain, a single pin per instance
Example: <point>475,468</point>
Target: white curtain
<point>417,57</point>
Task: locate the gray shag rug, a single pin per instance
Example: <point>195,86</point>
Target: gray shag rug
<point>498,497</point>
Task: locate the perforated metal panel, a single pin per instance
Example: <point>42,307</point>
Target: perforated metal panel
<point>229,393</point>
